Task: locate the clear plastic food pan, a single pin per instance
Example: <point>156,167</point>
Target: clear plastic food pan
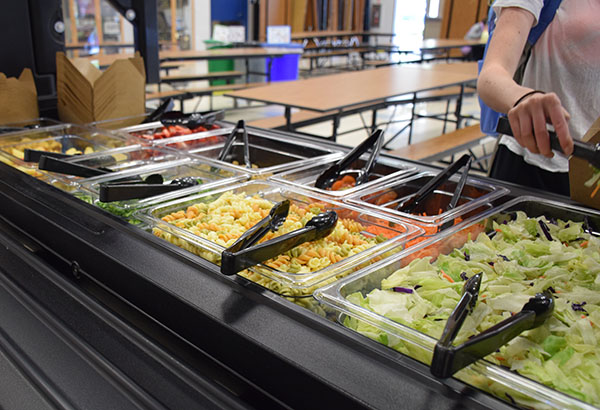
<point>268,154</point>
<point>528,245</point>
<point>207,223</point>
<point>385,170</point>
<point>121,159</point>
<point>177,137</point>
<point>431,214</point>
<point>209,175</point>
<point>63,138</point>
<point>28,124</point>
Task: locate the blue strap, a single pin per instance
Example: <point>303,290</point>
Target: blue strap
<point>547,14</point>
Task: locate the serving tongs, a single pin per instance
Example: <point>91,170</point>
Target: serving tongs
<point>50,163</point>
<point>332,174</point>
<point>155,115</point>
<point>191,121</point>
<point>589,152</point>
<point>410,204</point>
<point>240,127</point>
<point>34,155</point>
<point>448,359</point>
<point>244,253</point>
<point>458,192</point>
<point>138,189</point>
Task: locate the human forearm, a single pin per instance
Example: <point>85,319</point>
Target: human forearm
<point>495,85</point>
<point>497,88</point>
<point>527,111</point>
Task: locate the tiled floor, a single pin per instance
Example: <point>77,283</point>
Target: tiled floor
<point>422,128</point>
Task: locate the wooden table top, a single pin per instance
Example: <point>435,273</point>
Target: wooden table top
<point>220,53</point>
<point>301,35</point>
<point>104,44</point>
<point>234,52</point>
<point>435,44</point>
<point>338,91</point>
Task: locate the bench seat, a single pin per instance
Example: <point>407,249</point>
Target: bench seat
<point>437,148</point>
<point>194,92</point>
<point>217,75</point>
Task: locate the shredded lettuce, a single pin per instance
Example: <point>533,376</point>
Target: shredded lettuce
<point>517,262</point>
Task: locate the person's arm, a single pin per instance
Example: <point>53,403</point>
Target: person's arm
<point>499,91</point>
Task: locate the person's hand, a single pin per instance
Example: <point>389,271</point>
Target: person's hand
<point>528,120</point>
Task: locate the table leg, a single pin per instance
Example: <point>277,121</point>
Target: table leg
<point>374,121</point>
<point>336,124</point>
<point>459,106</point>
<point>412,118</point>
<point>288,118</point>
<point>247,70</point>
<point>269,68</point>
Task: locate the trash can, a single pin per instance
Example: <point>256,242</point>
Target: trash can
<point>284,68</point>
<point>218,65</point>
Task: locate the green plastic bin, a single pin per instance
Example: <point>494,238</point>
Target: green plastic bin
<point>218,65</point>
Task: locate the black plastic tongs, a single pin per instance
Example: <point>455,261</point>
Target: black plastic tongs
<point>241,126</point>
<point>136,188</point>
<point>332,174</point>
<point>50,163</point>
<point>191,121</point>
<point>411,203</point>
<point>245,253</point>
<point>448,359</point>
<point>34,155</point>
<point>589,152</point>
<point>155,115</point>
<point>457,193</point>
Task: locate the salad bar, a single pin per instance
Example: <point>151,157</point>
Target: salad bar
<point>306,270</point>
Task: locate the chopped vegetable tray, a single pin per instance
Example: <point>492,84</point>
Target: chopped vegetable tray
<point>528,245</point>
<point>385,170</point>
<point>207,223</point>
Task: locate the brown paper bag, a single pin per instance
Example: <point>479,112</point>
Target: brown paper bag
<point>86,94</point>
<point>18,98</point>
<point>583,188</point>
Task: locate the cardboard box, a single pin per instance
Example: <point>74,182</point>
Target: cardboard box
<point>86,94</point>
<point>18,98</point>
<point>583,188</point>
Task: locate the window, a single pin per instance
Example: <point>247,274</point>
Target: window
<point>433,9</point>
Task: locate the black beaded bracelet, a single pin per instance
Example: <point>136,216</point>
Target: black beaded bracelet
<point>527,95</point>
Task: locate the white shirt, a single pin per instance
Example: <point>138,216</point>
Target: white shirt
<point>564,60</point>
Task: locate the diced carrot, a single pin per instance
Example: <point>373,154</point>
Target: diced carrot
<point>448,278</point>
<point>387,197</point>
<point>595,191</point>
<point>584,244</point>
<point>349,179</point>
<point>337,185</point>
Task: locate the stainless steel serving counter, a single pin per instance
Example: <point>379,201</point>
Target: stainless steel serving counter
<point>100,313</point>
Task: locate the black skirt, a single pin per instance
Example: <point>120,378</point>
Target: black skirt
<point>510,167</point>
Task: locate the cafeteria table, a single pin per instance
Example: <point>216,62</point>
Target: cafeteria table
<point>245,53</point>
<point>367,89</point>
<point>426,46</point>
<point>437,45</point>
<point>322,38</point>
